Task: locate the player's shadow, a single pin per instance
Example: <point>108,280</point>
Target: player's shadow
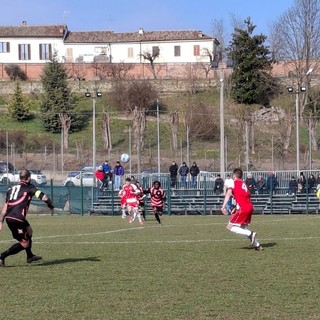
<point>67,260</point>
<point>264,245</point>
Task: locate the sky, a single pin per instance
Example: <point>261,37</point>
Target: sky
<point>130,15</point>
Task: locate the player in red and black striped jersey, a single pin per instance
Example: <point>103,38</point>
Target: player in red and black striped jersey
<point>15,210</point>
<point>158,198</point>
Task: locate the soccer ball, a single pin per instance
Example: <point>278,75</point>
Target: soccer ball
<point>125,157</point>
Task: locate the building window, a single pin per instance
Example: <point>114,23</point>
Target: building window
<point>155,51</point>
<point>45,51</point>
<point>177,52</point>
<point>196,50</point>
<point>130,52</point>
<point>4,47</point>
<point>24,52</point>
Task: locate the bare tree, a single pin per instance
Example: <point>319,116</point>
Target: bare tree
<point>65,120</point>
<point>77,72</point>
<point>295,36</point>
<point>106,131</point>
<point>174,124</point>
<point>111,70</point>
<point>151,57</point>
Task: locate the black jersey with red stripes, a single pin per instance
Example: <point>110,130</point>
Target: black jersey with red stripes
<point>18,199</point>
<point>158,196</point>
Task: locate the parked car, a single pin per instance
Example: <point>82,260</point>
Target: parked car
<point>75,181</point>
<point>38,178</point>
<point>4,167</point>
<point>9,178</point>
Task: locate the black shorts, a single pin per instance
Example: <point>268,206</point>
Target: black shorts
<point>158,209</point>
<point>19,229</point>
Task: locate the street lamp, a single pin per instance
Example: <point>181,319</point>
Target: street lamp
<point>94,151</point>
<point>297,92</point>
<point>222,144</point>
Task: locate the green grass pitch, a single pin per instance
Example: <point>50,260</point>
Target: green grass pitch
<point>191,267</point>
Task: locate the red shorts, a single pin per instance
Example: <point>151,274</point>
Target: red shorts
<point>242,215</point>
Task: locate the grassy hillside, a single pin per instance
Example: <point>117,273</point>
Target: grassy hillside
<point>205,153</point>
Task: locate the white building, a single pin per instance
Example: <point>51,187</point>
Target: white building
<point>36,44</point>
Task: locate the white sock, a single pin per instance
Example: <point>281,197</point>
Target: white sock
<point>239,230</point>
<point>256,243</point>
<point>139,216</point>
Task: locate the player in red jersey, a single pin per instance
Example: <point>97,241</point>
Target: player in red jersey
<point>158,198</point>
<point>241,215</point>
<point>130,194</point>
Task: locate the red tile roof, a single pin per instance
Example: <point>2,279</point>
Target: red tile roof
<point>25,31</point>
<point>110,36</point>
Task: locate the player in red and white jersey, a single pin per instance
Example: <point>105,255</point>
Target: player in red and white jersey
<point>242,213</point>
<point>158,198</point>
<point>130,193</point>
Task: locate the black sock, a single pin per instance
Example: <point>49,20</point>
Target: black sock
<point>16,248</point>
<point>144,214</point>
<point>157,217</point>
<point>28,250</point>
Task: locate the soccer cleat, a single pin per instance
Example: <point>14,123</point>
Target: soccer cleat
<point>258,248</point>
<point>2,263</point>
<point>141,223</point>
<point>252,237</point>
<point>130,221</point>
<point>34,258</point>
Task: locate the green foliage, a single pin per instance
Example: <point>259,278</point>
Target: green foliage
<point>58,99</point>
<point>251,79</point>
<point>18,108</point>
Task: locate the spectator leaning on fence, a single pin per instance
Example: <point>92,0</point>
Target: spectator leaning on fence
<point>251,183</point>
<point>311,183</point>
<point>194,171</point>
<point>173,174</point>
<point>272,182</point>
<point>183,171</point>
<point>118,172</point>
<point>261,185</point>
<point>218,185</point>
<point>293,185</point>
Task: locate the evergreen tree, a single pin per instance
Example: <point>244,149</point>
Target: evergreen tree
<point>251,79</point>
<point>18,108</point>
<point>57,99</point>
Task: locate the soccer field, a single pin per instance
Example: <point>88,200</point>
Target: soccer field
<point>191,267</point>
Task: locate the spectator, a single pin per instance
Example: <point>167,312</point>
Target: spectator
<point>311,183</point>
<point>318,181</point>
<point>194,171</point>
<point>118,172</point>
<point>183,171</point>
<point>272,183</point>
<point>101,177</point>
<point>251,183</point>
<point>173,174</point>
<point>301,183</point>
<point>293,185</point>
<point>261,185</point>
<point>228,184</point>
<point>107,171</point>
<point>218,185</point>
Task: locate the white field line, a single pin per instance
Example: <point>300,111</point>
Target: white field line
<point>38,239</point>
